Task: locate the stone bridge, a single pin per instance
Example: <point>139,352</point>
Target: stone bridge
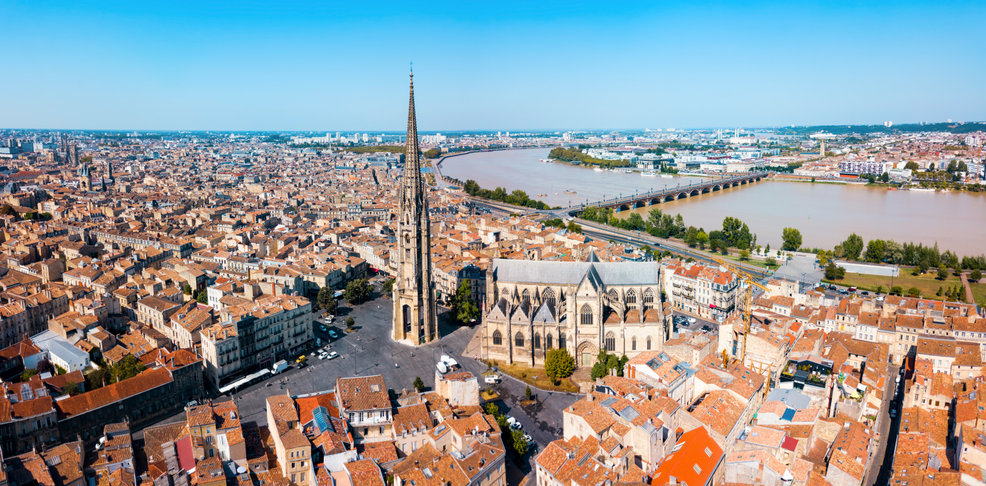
<point>666,194</point>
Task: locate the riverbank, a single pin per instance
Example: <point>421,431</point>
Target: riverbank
<point>927,284</point>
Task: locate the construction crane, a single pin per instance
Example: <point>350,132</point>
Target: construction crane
<point>747,311</point>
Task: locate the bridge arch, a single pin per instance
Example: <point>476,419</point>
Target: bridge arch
<point>681,195</point>
<point>694,192</point>
<point>706,190</point>
<point>623,207</point>
<point>639,204</point>
<point>656,200</point>
<point>716,187</point>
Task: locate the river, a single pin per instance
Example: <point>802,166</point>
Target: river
<point>824,213</point>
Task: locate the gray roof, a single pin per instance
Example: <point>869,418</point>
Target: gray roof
<point>572,273</point>
<point>792,398</point>
<point>59,346</point>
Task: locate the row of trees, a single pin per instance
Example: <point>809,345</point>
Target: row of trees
<point>513,439</point>
<point>572,226</point>
<point>913,254</point>
<point>517,198</point>
<point>608,363</point>
<point>576,155</point>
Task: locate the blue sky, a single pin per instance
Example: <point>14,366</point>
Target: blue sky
<point>488,65</point>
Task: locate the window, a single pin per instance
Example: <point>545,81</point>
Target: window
<point>633,344</point>
<point>648,343</point>
<point>519,340</point>
<point>631,298</point>
<point>548,296</point>
<point>497,338</point>
<point>586,315</point>
<point>648,299</point>
<point>610,341</point>
<point>561,340</point>
<point>537,341</point>
<point>547,341</point>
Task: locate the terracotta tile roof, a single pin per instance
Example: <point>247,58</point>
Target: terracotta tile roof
<point>694,460</point>
<point>100,397</point>
<point>363,393</point>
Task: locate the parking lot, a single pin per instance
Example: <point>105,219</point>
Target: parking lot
<point>369,350</point>
<point>688,324</point>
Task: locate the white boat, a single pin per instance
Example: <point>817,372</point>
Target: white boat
<point>545,161</point>
<point>597,169</point>
<point>648,174</point>
<point>667,176</point>
<point>921,189</point>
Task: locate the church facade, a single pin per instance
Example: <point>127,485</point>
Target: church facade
<point>584,307</point>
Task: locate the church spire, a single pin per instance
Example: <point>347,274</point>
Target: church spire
<point>412,161</point>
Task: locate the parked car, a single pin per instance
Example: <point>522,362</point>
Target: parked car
<point>322,354</point>
<point>322,328</point>
<point>333,355</point>
<point>492,379</point>
<point>333,334</point>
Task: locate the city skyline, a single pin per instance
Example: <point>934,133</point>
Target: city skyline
<point>328,68</point>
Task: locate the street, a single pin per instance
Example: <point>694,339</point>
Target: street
<point>881,464</point>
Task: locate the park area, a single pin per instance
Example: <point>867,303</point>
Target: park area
<point>927,284</point>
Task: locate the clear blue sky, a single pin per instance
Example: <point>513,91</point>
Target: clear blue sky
<point>282,65</point>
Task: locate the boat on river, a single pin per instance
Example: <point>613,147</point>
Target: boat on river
<point>648,174</point>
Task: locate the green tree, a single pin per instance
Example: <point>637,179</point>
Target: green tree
<point>71,388</point>
<point>202,297</point>
<point>744,255</point>
<point>432,153</point>
<point>528,394</point>
<point>28,373</point>
<point>942,273</point>
<point>792,239</point>
<point>975,275</point>
<point>912,166</point>
<point>853,246</point>
<point>464,309</point>
<point>350,322</point>
<point>559,363</point>
<point>326,300</point>
<point>186,289</point>
<point>913,292</point>
<point>834,272</point>
<point>896,290</point>
<point>128,367</point>
<point>875,250</point>
<point>520,444</point>
<point>574,227</point>
<point>418,384</point>
<point>388,286</point>
<point>885,178</point>
<point>357,291</point>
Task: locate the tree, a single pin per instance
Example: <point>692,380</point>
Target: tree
<point>574,227</point>
<point>28,373</point>
<point>792,239</point>
<point>520,444</point>
<point>527,393</point>
<point>853,246</point>
<point>357,291</point>
<point>885,178</point>
<point>975,275</point>
<point>388,286</point>
<point>912,166</point>
<point>875,250</point>
<point>834,272</point>
<point>744,255</point>
<point>418,384</point>
<point>559,363</point>
<point>326,300</point>
<point>350,322</point>
<point>71,388</point>
<point>942,273</point>
<point>186,288</point>
<point>202,298</point>
<point>896,290</point>
<point>913,292</point>
<point>128,367</point>
<point>464,309</point>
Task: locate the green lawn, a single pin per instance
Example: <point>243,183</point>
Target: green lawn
<point>927,283</point>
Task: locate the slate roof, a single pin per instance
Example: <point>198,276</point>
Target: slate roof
<point>572,273</point>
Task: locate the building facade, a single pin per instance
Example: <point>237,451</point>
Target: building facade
<point>584,307</point>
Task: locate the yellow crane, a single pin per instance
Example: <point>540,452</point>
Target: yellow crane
<point>747,311</point>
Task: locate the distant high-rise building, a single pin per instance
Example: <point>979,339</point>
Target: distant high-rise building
<point>414,320</point>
